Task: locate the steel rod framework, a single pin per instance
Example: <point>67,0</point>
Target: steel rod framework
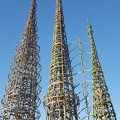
<point>21,100</point>
<point>81,62</point>
<point>61,101</point>
<point>85,83</point>
<point>102,105</point>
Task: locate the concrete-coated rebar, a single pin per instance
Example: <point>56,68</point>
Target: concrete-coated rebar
<point>60,102</point>
<point>22,91</point>
<point>102,105</point>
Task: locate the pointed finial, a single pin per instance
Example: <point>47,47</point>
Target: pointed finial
<point>89,27</point>
<point>88,21</point>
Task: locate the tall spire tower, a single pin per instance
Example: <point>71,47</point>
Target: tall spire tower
<point>102,105</point>
<point>60,101</point>
<point>21,100</point>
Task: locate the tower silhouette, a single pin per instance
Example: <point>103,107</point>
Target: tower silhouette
<point>102,105</point>
<point>21,100</point>
<point>61,101</point>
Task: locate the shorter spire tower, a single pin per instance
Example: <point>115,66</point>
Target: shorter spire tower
<point>21,100</point>
<point>102,105</point>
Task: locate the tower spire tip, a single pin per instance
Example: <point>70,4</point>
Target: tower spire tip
<point>88,20</point>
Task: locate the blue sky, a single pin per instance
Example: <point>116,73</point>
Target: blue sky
<point>104,16</point>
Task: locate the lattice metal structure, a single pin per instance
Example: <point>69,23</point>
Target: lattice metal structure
<point>61,101</point>
<point>81,62</point>
<point>85,60</point>
<point>102,105</point>
<point>21,100</point>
